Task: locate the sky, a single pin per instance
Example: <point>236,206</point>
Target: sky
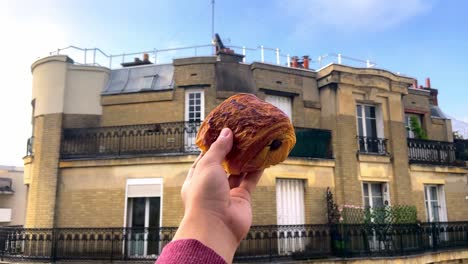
<point>419,38</point>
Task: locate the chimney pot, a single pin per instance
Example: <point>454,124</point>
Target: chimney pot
<point>145,57</point>
<point>305,62</point>
<point>421,87</point>
<point>428,82</point>
<point>294,62</point>
<point>415,84</point>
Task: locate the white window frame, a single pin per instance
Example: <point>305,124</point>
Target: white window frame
<point>378,120</point>
<point>129,207</point>
<point>440,200</point>
<point>202,102</point>
<point>276,99</point>
<point>385,193</point>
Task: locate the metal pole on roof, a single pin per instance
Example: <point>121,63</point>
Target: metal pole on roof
<point>277,56</point>
<point>94,56</point>
<point>85,51</point>
<point>243,53</point>
<point>288,60</point>
<point>212,19</point>
<point>262,53</point>
<point>110,62</point>
<point>339,58</point>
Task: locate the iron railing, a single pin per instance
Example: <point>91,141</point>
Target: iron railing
<point>432,152</point>
<point>161,138</point>
<point>372,145</point>
<point>264,243</point>
<point>166,138</point>
<point>461,149</point>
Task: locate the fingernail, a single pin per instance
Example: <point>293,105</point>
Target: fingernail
<point>225,132</point>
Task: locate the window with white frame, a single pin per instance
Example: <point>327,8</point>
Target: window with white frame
<point>370,129</point>
<point>194,105</point>
<point>375,194</point>
<point>282,102</point>
<point>143,215</point>
<point>434,200</point>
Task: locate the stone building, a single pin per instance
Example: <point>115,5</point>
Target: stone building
<point>12,196</point>
<point>111,148</point>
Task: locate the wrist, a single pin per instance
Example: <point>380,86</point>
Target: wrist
<point>211,230</point>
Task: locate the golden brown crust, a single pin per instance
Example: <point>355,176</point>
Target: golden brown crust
<point>255,124</point>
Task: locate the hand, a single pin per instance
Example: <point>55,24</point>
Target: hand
<point>218,209</point>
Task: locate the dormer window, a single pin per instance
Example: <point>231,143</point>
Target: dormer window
<point>148,82</point>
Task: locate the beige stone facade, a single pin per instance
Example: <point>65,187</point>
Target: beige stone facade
<point>13,194</point>
<point>93,191</point>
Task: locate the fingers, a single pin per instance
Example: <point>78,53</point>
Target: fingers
<point>220,148</point>
<point>250,181</point>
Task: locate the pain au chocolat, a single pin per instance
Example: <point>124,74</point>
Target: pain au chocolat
<point>263,134</point>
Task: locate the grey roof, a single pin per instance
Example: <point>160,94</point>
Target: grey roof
<point>140,78</point>
<point>437,112</point>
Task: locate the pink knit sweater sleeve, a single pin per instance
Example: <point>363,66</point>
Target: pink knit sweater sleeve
<point>188,251</point>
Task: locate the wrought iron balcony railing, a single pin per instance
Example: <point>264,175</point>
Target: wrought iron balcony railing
<point>432,152</point>
<point>262,243</point>
<point>166,138</point>
<point>371,145</point>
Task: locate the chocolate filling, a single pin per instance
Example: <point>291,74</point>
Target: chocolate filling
<point>276,144</point>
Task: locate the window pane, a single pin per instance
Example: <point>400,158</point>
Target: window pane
<point>377,202</point>
<point>434,193</point>
<point>197,108</point>
<point>198,102</point>
<point>360,127</point>
<point>435,211</point>
<point>197,95</point>
<point>191,115</point>
<point>358,110</point>
<point>154,211</point>
<point>191,108</point>
<point>366,191</point>
<point>138,212</point>
<point>191,96</point>
<point>376,189</point>
<point>366,202</point>
<point>369,111</point>
<point>371,128</point>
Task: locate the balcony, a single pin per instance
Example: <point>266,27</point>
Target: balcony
<point>371,145</point>
<point>5,186</point>
<point>436,152</point>
<point>166,138</point>
<point>272,243</point>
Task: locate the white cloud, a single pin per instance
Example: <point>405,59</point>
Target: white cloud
<point>346,15</point>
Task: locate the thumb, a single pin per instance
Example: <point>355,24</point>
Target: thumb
<point>220,148</point>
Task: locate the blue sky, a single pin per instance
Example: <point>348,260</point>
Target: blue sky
<point>420,38</point>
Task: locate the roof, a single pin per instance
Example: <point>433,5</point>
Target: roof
<point>436,112</point>
<point>140,78</point>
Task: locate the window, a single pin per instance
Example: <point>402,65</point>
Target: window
<point>143,216</point>
<point>434,200</point>
<point>282,102</point>
<point>375,194</point>
<point>290,211</point>
<point>370,129</point>
<point>367,121</point>
<point>194,105</point>
<point>410,133</point>
<point>148,82</point>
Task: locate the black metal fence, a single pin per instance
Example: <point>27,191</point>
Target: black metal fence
<point>432,152</point>
<point>265,243</point>
<point>166,138</point>
<point>175,137</point>
<point>371,145</point>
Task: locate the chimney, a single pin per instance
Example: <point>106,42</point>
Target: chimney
<point>433,98</point>
<point>415,84</point>
<point>136,60</point>
<point>305,62</point>
<point>428,82</point>
<point>294,62</point>
<point>421,87</point>
<point>145,57</point>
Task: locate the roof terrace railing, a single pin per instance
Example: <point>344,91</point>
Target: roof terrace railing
<point>97,57</point>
